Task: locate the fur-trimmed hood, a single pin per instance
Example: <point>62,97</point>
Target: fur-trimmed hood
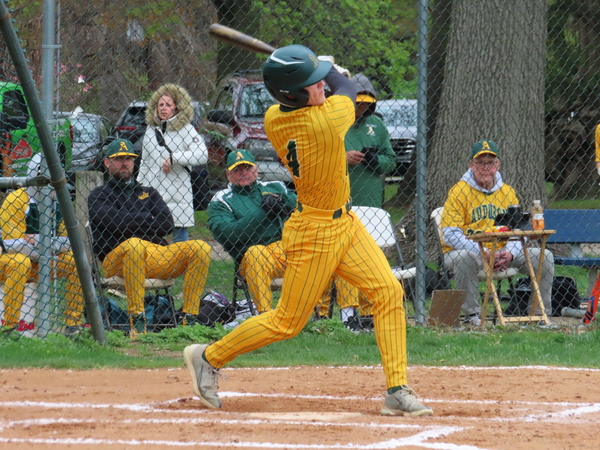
<point>183,101</point>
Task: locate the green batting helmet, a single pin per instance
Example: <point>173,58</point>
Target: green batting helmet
<point>288,70</point>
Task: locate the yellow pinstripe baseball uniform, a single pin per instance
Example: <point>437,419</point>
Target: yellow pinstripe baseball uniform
<point>322,238</point>
<point>14,226</point>
<point>14,270</point>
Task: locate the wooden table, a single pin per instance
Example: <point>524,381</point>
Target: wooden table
<point>498,240</point>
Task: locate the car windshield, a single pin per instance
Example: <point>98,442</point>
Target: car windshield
<point>135,115</point>
<point>255,101</point>
<point>84,130</point>
<point>399,113</point>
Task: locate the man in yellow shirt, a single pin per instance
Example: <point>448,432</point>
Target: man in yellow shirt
<point>471,207</point>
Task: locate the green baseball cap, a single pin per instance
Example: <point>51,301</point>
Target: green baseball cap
<point>483,147</point>
<point>119,147</point>
<point>238,157</point>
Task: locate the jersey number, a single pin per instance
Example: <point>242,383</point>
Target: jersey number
<point>292,158</point>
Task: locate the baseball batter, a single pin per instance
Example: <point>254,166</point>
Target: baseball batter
<point>322,237</point>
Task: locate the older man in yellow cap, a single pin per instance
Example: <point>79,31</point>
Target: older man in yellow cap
<point>471,207</point>
<point>129,224</point>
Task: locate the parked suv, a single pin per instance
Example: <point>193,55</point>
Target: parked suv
<point>89,133</point>
<point>238,114</point>
<point>400,118</point>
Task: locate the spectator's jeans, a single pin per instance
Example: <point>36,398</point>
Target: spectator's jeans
<point>180,234</point>
<point>466,266</point>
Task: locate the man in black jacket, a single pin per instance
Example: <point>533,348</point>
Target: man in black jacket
<point>129,223</point>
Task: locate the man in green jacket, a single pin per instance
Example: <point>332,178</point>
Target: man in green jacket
<point>368,150</point>
<point>247,218</point>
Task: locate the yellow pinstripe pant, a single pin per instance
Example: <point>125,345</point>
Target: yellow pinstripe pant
<point>348,296</point>
<point>14,271</point>
<point>260,266</point>
<point>136,259</point>
<point>64,267</point>
<point>317,247</point>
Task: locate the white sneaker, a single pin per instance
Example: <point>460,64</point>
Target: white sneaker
<point>404,403</point>
<point>204,376</point>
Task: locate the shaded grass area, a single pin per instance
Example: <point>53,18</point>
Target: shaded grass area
<point>326,342</point>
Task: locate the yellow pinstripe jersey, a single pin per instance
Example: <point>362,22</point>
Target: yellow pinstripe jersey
<point>473,210</point>
<point>310,142</point>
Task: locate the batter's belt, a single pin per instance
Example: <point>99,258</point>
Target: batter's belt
<point>325,213</point>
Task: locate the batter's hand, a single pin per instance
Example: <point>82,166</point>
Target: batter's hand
<point>343,71</point>
<point>354,157</point>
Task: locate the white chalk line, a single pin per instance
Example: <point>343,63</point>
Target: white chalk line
<point>417,440</point>
<point>148,407</point>
<point>377,367</point>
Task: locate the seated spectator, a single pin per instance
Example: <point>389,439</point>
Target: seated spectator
<point>247,219</point>
<point>14,270</point>
<point>20,220</point>
<point>129,223</point>
<point>471,207</point>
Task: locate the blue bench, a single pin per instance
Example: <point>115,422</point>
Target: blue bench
<point>575,227</point>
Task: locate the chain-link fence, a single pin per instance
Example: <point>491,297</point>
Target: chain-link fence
<point>433,78</point>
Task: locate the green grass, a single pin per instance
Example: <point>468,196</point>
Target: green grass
<point>326,342</point>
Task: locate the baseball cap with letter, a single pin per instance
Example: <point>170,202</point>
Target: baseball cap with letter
<point>119,147</point>
<point>483,147</point>
<point>240,157</point>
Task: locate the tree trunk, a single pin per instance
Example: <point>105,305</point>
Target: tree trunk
<point>493,89</point>
<point>441,19</point>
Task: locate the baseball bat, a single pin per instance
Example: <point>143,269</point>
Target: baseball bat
<point>239,39</point>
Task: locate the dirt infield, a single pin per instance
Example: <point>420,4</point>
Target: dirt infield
<point>301,408</point>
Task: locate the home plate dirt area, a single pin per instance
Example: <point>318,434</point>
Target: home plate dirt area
<point>301,408</point>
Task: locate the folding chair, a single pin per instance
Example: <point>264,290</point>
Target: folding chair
<point>379,224</point>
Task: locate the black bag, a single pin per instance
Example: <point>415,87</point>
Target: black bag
<point>434,280</point>
<point>157,308</point>
<point>564,295</point>
<point>200,188</point>
<point>216,308</point>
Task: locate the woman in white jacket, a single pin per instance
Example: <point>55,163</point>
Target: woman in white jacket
<point>170,148</point>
